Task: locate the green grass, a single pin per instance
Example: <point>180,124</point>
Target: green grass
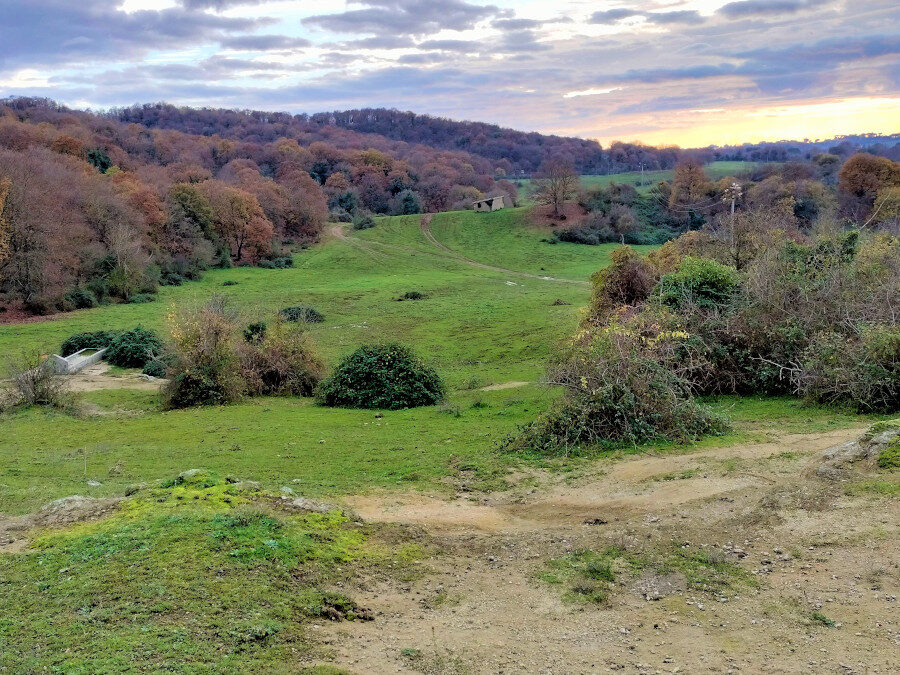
<point>474,327</point>
<point>107,596</point>
<point>714,170</point>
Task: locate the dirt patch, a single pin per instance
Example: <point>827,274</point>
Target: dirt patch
<point>486,609</point>
<point>65,511</point>
<point>96,377</point>
<point>504,385</point>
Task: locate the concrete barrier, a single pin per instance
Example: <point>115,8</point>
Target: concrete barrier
<point>77,361</point>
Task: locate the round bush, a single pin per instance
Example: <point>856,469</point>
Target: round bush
<point>155,368</point>
<point>303,313</point>
<point>141,298</point>
<point>97,340</point>
<point>194,388</point>
<point>705,282</point>
<point>133,348</point>
<point>381,376</point>
<point>255,332</point>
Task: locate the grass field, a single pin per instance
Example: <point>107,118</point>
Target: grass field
<point>203,575</point>
<point>477,326</point>
<point>643,182</point>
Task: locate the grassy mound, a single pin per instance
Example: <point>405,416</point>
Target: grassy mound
<point>199,575</point>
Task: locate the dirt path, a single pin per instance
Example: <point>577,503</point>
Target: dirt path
<point>97,377</point>
<point>425,227</point>
<point>481,608</point>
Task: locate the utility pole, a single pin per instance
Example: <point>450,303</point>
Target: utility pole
<point>733,192</point>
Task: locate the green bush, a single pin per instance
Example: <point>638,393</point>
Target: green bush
<point>133,348</point>
<point>141,298</point>
<point>381,376</point>
<point>363,222</point>
<point>699,281</point>
<point>412,295</point>
<point>155,368</point>
<point>303,313</point>
<point>620,388</point>
<point>79,298</point>
<point>100,339</point>
<point>255,332</point>
<point>194,388</point>
<point>862,370</point>
<point>889,457</point>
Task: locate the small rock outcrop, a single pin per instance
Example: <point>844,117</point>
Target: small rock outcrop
<point>865,450</point>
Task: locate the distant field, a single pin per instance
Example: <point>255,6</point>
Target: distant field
<point>715,170</point>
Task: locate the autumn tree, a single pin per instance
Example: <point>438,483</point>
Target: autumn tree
<point>555,184</point>
<point>859,182</point>
<point>239,221</point>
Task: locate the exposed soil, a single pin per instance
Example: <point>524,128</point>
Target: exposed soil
<point>482,610</point>
<point>504,385</point>
<point>96,377</point>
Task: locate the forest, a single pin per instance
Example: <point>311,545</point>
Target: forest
<point>97,208</point>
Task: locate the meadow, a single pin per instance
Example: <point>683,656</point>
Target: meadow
<point>478,326</point>
<point>643,181</point>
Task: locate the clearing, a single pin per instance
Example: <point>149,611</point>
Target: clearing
<point>729,554</point>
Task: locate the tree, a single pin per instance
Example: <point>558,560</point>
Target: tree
<point>239,221</point>
<point>100,159</point>
<point>556,184</point>
<point>859,182</point>
<point>5,230</point>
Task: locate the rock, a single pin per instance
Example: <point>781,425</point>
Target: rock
<point>866,448</point>
<point>93,483</point>
<point>247,485</point>
<point>314,506</point>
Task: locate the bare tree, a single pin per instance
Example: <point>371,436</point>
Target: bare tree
<point>555,184</point>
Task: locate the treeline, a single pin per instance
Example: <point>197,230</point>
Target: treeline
<point>94,209</point>
<point>795,197</point>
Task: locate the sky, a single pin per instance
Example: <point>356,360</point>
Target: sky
<point>686,72</point>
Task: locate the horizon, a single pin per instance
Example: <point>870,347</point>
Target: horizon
<point>691,73</point>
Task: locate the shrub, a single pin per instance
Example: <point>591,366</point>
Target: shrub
<point>620,389</point>
<point>141,298</point>
<point>206,368</point>
<point>861,370</point>
<point>100,339</point>
<point>364,222</point>
<point>255,332</point>
<point>34,382</point>
<point>133,348</point>
<point>381,376</point>
<point>155,368</point>
<point>278,263</point>
<point>79,298</point>
<point>700,281</point>
<point>281,362</point>
<point>628,280</point>
<point>230,282</point>
<point>303,313</point>
<point>889,457</point>
<point>411,295</point>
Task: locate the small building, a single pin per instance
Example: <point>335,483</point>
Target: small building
<point>489,204</point>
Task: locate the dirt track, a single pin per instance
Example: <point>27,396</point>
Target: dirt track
<point>482,610</point>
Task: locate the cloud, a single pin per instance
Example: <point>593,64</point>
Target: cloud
<point>745,8</point>
<point>406,17</point>
<point>662,18</point>
<point>613,15</point>
<point>684,16</point>
<point>59,31</point>
<point>264,43</point>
